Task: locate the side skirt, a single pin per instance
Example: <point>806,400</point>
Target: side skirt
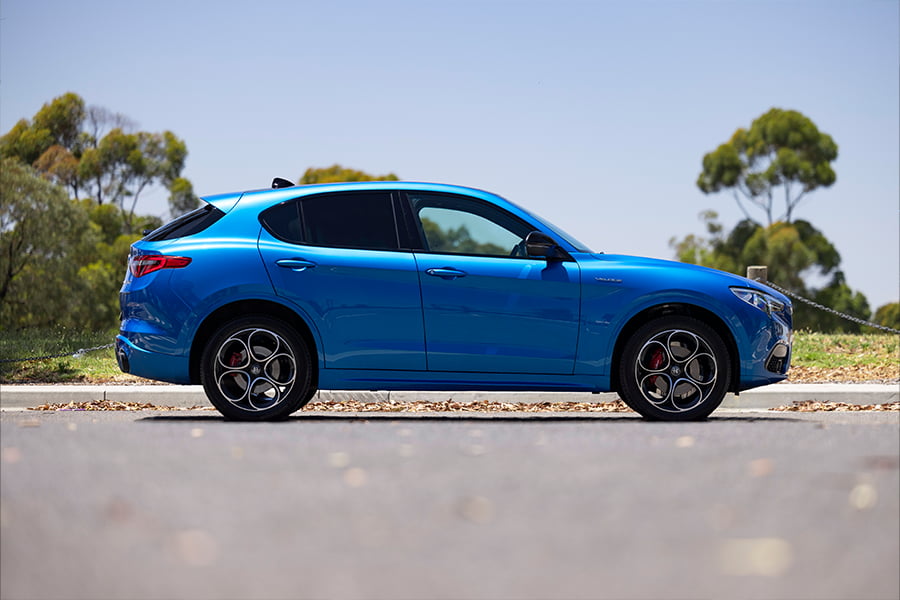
<point>351,379</point>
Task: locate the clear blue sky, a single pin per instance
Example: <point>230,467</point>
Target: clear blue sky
<point>594,114</point>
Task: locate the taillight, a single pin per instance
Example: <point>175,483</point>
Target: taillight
<point>143,264</point>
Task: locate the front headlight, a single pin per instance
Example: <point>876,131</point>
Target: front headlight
<point>760,300</point>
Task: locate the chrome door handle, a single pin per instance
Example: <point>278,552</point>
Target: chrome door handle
<point>445,272</point>
<point>295,264</point>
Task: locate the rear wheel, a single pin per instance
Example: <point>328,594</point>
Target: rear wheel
<point>256,368</point>
<point>674,369</point>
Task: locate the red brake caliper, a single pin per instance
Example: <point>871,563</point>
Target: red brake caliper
<point>235,359</point>
<point>656,361</point>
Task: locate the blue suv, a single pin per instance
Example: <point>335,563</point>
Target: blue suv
<point>263,297</point>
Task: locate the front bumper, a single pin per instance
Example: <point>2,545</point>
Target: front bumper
<point>770,352</point>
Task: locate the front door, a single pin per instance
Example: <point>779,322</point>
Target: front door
<point>488,307</point>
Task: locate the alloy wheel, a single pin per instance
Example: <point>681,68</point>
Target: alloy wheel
<point>255,369</point>
<point>676,371</point>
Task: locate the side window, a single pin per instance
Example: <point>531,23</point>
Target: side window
<point>362,220</point>
<point>456,225</point>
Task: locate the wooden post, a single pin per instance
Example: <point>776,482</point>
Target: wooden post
<point>758,273</point>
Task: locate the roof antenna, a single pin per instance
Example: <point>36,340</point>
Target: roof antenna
<point>278,182</point>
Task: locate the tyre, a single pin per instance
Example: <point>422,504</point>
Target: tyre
<point>256,368</point>
<point>674,369</point>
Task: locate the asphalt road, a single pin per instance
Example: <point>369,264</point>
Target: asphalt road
<point>185,505</point>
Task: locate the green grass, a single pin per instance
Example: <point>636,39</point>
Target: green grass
<point>830,351</point>
<point>873,353</point>
<point>94,366</point>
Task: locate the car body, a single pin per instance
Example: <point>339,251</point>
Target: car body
<point>266,296</point>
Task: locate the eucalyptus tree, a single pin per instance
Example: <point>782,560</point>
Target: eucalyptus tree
<point>777,162</point>
<point>95,153</point>
<point>782,151</point>
<point>42,236</point>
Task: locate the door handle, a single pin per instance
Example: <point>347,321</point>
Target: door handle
<point>295,264</point>
<point>445,272</point>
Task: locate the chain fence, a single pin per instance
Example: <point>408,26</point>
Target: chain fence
<point>821,307</point>
<point>77,354</point>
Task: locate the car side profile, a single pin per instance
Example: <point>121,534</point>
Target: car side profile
<point>264,297</point>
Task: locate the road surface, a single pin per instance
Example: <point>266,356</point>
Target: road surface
<point>185,505</point>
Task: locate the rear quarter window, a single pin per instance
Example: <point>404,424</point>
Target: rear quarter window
<point>283,221</point>
<point>187,224</point>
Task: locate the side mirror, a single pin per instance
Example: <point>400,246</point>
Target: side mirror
<point>541,245</point>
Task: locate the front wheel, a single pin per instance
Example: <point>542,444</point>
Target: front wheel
<point>674,369</point>
<point>256,368</point>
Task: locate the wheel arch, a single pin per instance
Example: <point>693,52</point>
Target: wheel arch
<point>678,309</point>
<point>243,308</point>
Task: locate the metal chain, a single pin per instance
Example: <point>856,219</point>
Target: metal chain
<point>831,310</point>
<point>77,354</point>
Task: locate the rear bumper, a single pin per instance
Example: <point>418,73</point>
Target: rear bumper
<point>151,365</point>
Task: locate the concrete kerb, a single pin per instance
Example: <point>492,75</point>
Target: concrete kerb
<point>25,396</point>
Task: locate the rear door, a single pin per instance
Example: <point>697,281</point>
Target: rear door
<point>337,257</point>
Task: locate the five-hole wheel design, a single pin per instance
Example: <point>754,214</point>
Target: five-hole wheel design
<point>674,368</point>
<point>256,368</point>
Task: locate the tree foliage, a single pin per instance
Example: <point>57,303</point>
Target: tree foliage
<point>889,315</point>
<point>457,240</point>
<point>337,173</point>
<point>93,153</point>
<point>56,123</point>
<point>782,148</point>
<point>42,234</point>
<point>61,260</point>
<point>181,197</point>
<point>794,254</point>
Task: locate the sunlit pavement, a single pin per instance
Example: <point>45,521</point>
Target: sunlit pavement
<point>20,396</point>
<point>750,504</point>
